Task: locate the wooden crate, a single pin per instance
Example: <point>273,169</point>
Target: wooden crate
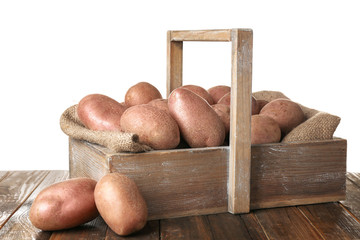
<point>234,178</point>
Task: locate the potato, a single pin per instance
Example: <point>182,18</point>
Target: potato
<point>285,112</point>
<point>160,103</point>
<point>155,127</point>
<point>100,113</point>
<point>261,103</point>
<point>226,99</point>
<point>64,205</point>
<point>120,203</point>
<point>223,111</point>
<point>218,92</point>
<point>141,93</point>
<point>264,129</point>
<point>200,91</point>
<point>199,124</point>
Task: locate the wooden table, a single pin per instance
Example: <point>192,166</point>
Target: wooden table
<point>333,220</point>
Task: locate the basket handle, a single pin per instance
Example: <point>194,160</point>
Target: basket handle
<point>240,114</point>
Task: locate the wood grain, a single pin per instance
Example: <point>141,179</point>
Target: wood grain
<point>19,225</point>
<point>149,232</point>
<point>332,221</point>
<point>178,183</point>
<point>196,227</point>
<point>352,201</point>
<point>253,226</point>
<point>223,35</point>
<point>298,173</point>
<point>174,64</point>
<point>15,189</point>
<point>240,122</point>
<point>286,223</point>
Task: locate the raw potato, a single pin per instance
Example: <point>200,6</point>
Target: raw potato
<point>120,203</point>
<point>199,124</point>
<point>200,91</point>
<point>264,130</point>
<point>160,103</point>
<point>155,127</point>
<point>218,92</point>
<point>286,113</point>
<point>141,93</point>
<point>100,113</point>
<point>261,103</point>
<point>64,205</point>
<point>255,108</point>
<point>224,113</point>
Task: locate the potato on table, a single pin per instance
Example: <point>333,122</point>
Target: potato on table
<point>141,93</point>
<point>264,130</point>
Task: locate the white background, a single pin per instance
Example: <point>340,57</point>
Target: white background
<point>53,53</point>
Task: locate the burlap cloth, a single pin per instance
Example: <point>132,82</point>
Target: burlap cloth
<point>116,141</point>
<point>317,125</point>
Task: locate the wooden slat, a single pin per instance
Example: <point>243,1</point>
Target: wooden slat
<point>286,223</point>
<point>19,225</point>
<point>96,229</point>
<point>149,232</point>
<point>196,227</point>
<point>332,221</point>
<point>253,226</point>
<point>297,173</point>
<point>352,202</point>
<point>3,174</point>
<point>174,64</point>
<point>201,35</point>
<point>228,226</point>
<point>240,123</point>
<point>178,183</point>
<point>15,188</point>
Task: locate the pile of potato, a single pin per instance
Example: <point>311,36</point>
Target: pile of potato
<point>77,201</point>
<point>199,117</point>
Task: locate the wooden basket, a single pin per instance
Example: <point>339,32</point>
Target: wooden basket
<point>234,178</point>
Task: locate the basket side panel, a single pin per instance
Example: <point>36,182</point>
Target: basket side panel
<point>178,183</point>
<point>292,174</point>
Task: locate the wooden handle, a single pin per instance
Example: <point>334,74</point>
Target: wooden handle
<point>240,114</point>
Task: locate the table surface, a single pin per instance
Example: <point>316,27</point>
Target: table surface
<point>335,220</point>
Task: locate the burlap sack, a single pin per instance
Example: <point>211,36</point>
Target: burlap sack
<point>115,141</point>
<point>317,126</point>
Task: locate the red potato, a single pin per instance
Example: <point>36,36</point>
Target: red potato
<point>141,93</point>
<point>226,99</point>
<point>261,103</point>
<point>100,113</point>
<point>120,204</point>
<point>218,92</point>
<point>200,91</point>
<point>223,111</point>
<point>155,127</point>
<point>161,104</point>
<point>285,112</point>
<point>264,130</point>
<point>64,205</point>
<point>199,124</point>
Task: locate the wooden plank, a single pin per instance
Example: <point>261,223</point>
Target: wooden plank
<point>96,229</point>
<point>15,188</point>
<point>174,64</point>
<point>223,35</point>
<point>87,160</point>
<point>19,225</point>
<point>149,232</point>
<point>240,122</point>
<point>298,173</point>
<point>352,202</point>
<point>178,183</point>
<point>253,226</point>
<point>332,221</point>
<point>286,223</point>
<point>228,226</point>
<point>196,227</point>
<point>3,175</point>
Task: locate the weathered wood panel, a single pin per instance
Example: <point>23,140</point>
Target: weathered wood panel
<point>15,189</point>
<point>298,173</point>
<point>19,225</point>
<point>352,201</point>
<point>149,232</point>
<point>178,182</point>
<point>201,35</point>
